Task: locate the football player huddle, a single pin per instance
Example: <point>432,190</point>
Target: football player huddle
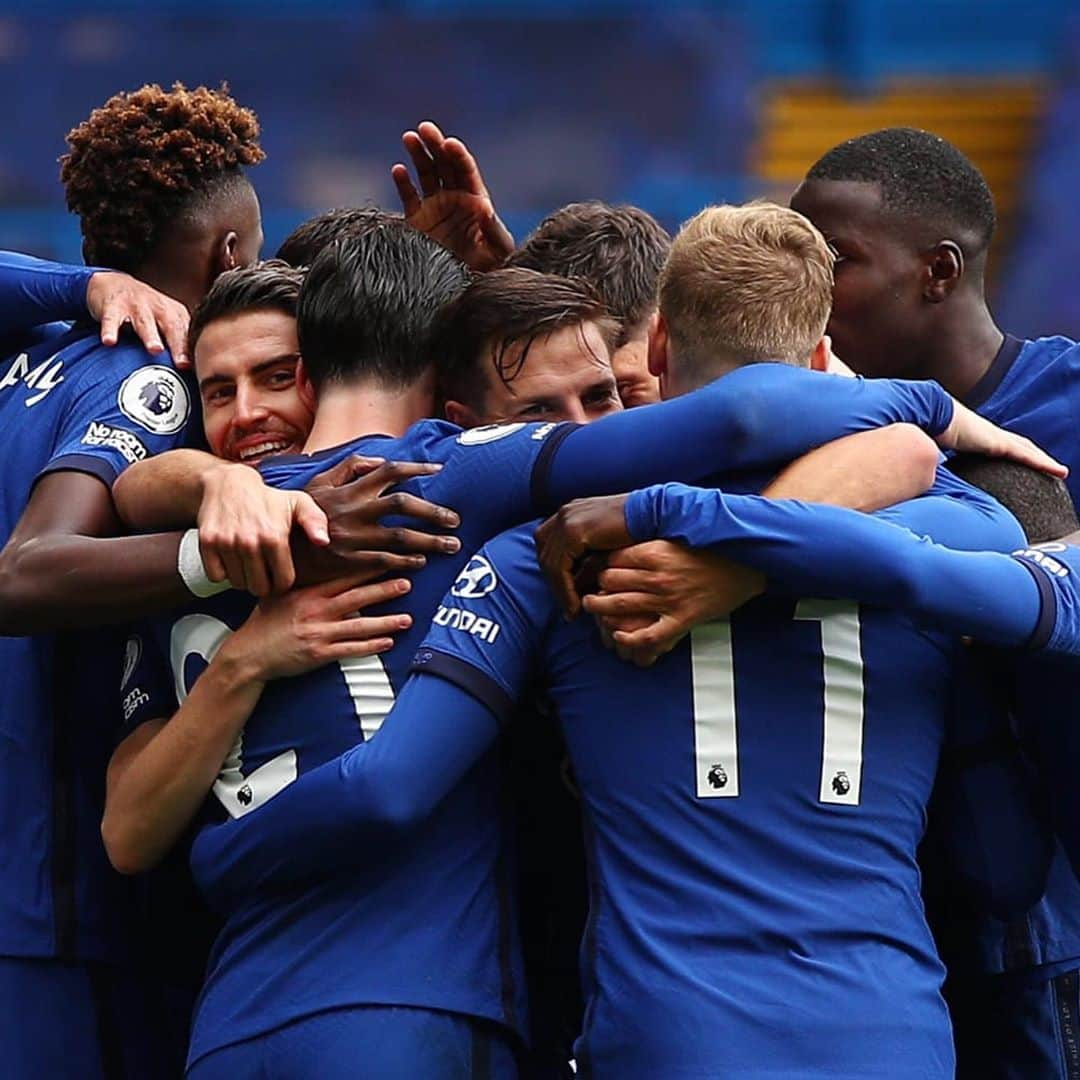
<point>636,656</point>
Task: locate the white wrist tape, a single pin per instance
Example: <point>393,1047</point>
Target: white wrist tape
<point>189,565</point>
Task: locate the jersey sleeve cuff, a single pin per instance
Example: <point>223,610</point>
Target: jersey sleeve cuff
<point>468,678</point>
<point>103,469</point>
<point>1044,629</point>
<point>540,479</point>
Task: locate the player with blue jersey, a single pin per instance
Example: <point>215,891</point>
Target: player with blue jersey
<point>272,929</point>
<point>75,414</point>
<point>911,219</point>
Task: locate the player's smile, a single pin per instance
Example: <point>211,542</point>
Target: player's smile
<point>259,445</point>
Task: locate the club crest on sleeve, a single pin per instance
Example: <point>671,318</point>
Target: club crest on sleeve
<point>476,580</point>
<point>488,433</point>
<point>132,653</point>
<point>156,398</point>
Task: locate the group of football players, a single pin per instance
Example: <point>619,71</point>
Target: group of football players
<point>429,657</point>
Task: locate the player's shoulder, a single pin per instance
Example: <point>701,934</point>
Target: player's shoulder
<point>1050,350</point>
<point>506,562</point>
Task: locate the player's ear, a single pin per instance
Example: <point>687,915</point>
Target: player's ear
<point>943,269</point>
<point>226,253</point>
<point>457,412</point>
<point>819,358</point>
<point>658,346</point>
<point>304,386</point>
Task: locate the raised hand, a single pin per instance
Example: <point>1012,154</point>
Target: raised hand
<point>453,205</point>
<point>114,299</point>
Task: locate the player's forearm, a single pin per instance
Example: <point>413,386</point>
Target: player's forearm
<point>353,809</point>
<point>754,418</point>
<point>153,796</point>
<point>62,582</point>
<point>33,291</point>
<point>165,491</point>
<point>866,471</point>
<point>828,551</point>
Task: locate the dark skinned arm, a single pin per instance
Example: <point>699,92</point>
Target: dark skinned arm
<point>64,568</point>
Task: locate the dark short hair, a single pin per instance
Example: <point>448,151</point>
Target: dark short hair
<point>305,242</point>
<point>508,307</point>
<point>619,250</point>
<point>369,303</point>
<point>1041,503</point>
<point>266,286</point>
<point>921,175</point>
<point>146,157</point>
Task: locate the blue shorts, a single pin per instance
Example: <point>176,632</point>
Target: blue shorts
<point>368,1043</point>
<point>1018,1026</point>
<point>77,1021</point>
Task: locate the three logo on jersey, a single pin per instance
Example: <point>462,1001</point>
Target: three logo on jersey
<point>475,581</point>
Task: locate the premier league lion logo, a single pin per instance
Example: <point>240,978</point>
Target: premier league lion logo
<point>244,795</point>
<point>156,399</point>
<point>841,783</point>
<point>158,396</point>
<point>718,776</point>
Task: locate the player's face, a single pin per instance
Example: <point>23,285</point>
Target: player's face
<point>566,376</point>
<point>246,367</point>
<point>878,307</point>
<point>630,363</point>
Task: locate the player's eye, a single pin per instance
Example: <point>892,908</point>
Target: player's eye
<point>535,408</point>
<point>282,378</point>
<point>220,395</point>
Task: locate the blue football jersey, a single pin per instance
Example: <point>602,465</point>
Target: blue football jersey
<point>67,404</point>
<point>436,931</point>
<point>1033,387</point>
<point>751,838</point>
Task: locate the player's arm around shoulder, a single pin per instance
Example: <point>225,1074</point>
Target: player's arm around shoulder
<point>161,773</point>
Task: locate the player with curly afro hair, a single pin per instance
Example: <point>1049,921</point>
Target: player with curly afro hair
<point>157,179</point>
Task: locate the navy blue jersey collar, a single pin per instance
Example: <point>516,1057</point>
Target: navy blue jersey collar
<point>319,455</point>
<point>983,390</point>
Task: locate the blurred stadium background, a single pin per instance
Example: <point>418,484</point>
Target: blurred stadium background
<point>667,105</point>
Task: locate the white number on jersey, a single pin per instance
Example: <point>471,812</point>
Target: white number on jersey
<point>240,792</point>
<point>716,742</point>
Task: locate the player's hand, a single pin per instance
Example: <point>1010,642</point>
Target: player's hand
<point>306,628</point>
<point>563,540</point>
<point>355,496</point>
<point>453,205</point>
<point>970,433</point>
<point>245,529</point>
<point>114,299</point>
<point>653,594</point>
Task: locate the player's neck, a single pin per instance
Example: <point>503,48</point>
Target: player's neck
<point>163,276</point>
<point>963,349</point>
<point>351,411</point>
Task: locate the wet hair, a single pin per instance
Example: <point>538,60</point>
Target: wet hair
<point>146,157</point>
<point>619,250</point>
<point>369,303</point>
<point>305,242</point>
<point>505,308</point>
<point>920,175</point>
<point>267,286</point>
<point>1040,503</point>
